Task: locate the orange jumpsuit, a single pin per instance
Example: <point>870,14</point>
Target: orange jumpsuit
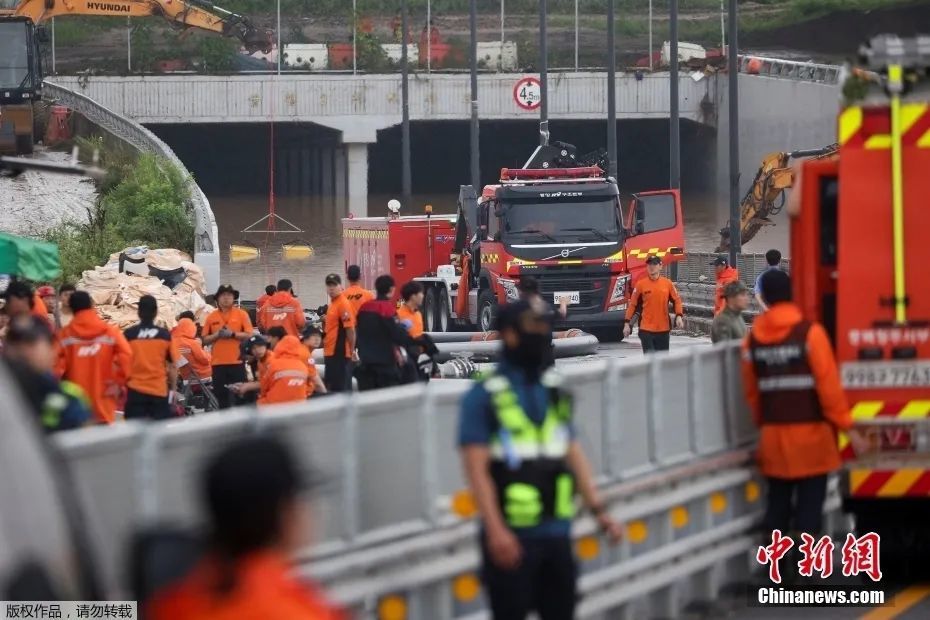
<point>729,274</point>
<point>96,356</point>
<point>264,586</point>
<point>412,320</point>
<point>801,449</point>
<point>287,376</point>
<point>284,310</point>
<point>650,299</point>
<point>357,297</point>
<point>184,341</point>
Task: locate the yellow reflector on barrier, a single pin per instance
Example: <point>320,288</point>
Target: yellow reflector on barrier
<point>718,503</point>
<point>588,548</point>
<point>637,531</point>
<point>465,588</point>
<point>392,607</point>
<point>752,491</point>
<point>463,504</point>
<point>679,517</point>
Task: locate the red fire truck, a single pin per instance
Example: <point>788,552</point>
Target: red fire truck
<point>563,225</point>
<point>859,261</point>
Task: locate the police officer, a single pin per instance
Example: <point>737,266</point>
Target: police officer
<point>797,401</point>
<point>523,465</point>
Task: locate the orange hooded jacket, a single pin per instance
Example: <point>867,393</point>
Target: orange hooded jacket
<point>729,274</point>
<point>284,310</point>
<point>264,586</point>
<point>183,339</point>
<point>802,449</point>
<point>287,378</point>
<point>96,356</point>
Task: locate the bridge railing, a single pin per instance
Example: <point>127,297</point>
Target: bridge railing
<point>789,69</point>
<point>388,468</point>
<point>206,240</point>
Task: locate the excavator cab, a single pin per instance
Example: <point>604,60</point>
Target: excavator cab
<point>20,82</point>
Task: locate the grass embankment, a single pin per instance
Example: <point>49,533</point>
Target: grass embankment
<point>142,201</point>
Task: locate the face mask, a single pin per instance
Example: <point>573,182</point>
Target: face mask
<point>529,354</point>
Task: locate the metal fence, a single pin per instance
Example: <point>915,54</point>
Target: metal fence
<point>664,434</point>
<point>206,240</point>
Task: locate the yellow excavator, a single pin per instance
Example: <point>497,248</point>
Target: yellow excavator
<point>180,13</point>
<point>20,58</point>
<point>766,196</point>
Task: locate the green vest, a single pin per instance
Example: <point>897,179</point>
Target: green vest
<point>528,464</point>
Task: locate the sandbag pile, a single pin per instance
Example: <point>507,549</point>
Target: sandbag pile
<point>166,274</point>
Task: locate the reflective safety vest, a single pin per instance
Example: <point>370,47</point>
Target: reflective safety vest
<point>528,466</point>
<point>786,382</point>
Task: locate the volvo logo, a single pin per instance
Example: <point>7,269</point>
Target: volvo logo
<point>565,253</point>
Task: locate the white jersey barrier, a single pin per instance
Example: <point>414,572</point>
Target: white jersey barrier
<point>654,428</point>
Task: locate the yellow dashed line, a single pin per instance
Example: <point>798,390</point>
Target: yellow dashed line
<point>898,604</point>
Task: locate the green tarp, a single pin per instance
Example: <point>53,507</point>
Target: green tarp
<point>29,259</point>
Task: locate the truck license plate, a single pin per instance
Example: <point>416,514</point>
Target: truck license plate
<point>573,297</point>
<point>864,375</point>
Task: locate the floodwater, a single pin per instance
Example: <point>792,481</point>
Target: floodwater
<point>320,220</point>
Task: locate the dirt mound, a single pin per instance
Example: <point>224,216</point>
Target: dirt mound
<point>841,33</point>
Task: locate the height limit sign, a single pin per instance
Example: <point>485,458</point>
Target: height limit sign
<point>528,93</point>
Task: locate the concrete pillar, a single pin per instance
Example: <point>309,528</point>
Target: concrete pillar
<point>339,173</point>
<point>327,170</point>
<point>357,164</point>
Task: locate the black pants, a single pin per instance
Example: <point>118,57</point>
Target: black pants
<point>544,581</point>
<point>795,505</point>
<point>224,375</point>
<point>141,406</point>
<point>654,341</point>
<point>375,376</point>
<point>337,377</point>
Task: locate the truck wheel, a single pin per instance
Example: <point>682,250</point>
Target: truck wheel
<point>442,311</point>
<point>487,311</point>
<point>24,144</point>
<point>429,309</point>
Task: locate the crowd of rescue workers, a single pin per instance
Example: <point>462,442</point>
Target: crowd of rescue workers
<point>516,434</point>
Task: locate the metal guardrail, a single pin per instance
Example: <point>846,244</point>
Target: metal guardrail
<point>791,69</point>
<point>696,267</point>
<point>206,240</point>
<point>390,470</point>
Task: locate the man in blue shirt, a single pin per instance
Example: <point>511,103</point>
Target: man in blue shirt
<point>773,258</point>
<point>523,464</point>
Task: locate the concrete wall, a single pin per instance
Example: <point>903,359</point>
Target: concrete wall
<point>362,104</point>
<point>774,115</point>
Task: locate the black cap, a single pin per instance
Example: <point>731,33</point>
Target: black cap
<point>277,332</point>
<point>720,260</point>
<point>333,278</point>
<point>775,286</point>
<point>18,289</point>
<point>311,330</point>
<point>226,288</point>
<point>654,260</point>
<point>514,315</point>
<point>354,273</point>
<point>257,340</point>
<point>528,285</point>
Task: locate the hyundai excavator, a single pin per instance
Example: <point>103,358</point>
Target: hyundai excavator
<point>21,34</point>
<point>766,195</point>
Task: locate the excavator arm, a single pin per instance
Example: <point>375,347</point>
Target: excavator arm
<point>183,14</point>
<point>766,196</point>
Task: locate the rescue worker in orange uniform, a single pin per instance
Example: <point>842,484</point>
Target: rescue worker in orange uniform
<point>282,309</point>
<point>725,275</point>
<point>339,337</point>
<point>649,307</point>
<point>356,294</point>
<point>408,312</point>
<point>312,340</point>
<point>253,496</point>
<point>224,329</point>
<point>270,290</point>
<point>21,300</point>
<point>153,376</point>
<point>287,378</point>
<point>95,356</point>
<point>797,401</point>
<point>184,340</point>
